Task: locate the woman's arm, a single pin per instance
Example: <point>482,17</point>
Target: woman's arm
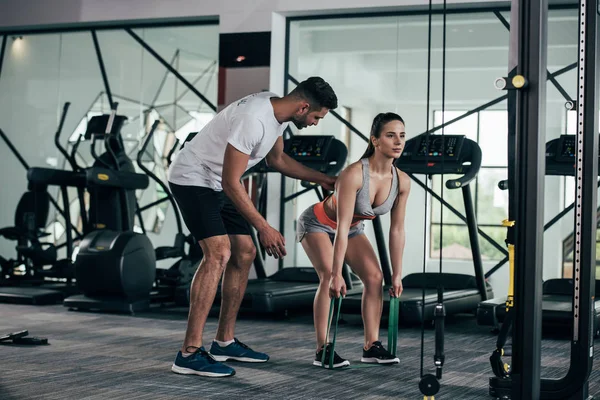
<point>397,235</point>
<point>347,185</point>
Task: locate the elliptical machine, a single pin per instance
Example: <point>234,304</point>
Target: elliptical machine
<point>182,271</point>
<point>114,269</point>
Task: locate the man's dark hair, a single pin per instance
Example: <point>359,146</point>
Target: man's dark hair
<point>317,93</point>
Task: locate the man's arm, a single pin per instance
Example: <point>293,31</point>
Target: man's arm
<point>234,166</point>
<point>278,160</point>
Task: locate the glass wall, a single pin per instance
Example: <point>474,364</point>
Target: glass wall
<point>41,72</point>
<point>380,63</point>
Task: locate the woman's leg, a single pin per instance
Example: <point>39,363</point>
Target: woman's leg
<point>361,257</point>
<point>319,249</point>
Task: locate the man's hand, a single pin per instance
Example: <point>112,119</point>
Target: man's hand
<point>396,289</point>
<point>337,287</point>
<point>329,183</point>
<point>272,241</point>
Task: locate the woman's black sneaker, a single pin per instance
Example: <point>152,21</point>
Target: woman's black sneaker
<point>338,362</point>
<point>377,354</point>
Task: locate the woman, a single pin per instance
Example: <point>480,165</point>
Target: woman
<point>332,232</point>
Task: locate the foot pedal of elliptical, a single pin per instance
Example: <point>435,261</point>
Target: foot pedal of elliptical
<point>31,340</point>
<point>13,336</point>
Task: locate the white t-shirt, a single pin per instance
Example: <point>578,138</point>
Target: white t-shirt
<point>248,124</point>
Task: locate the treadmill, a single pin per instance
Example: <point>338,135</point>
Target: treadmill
<point>462,292</point>
<point>290,288</point>
<point>557,294</point>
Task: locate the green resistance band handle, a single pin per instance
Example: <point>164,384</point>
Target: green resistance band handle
<point>329,321</point>
<point>393,325</point>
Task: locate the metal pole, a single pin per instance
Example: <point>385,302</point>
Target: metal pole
<point>530,18</point>
<point>102,68</point>
<point>170,68</point>
<point>574,385</point>
<point>473,239</point>
<point>2,50</point>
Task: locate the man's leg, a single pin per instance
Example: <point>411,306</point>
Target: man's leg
<point>204,287</point>
<point>193,359</point>
<point>226,347</point>
<point>207,227</point>
<point>234,284</point>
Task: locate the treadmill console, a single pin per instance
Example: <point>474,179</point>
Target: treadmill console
<point>308,148</point>
<point>560,156</point>
<point>567,148</point>
<point>429,147</point>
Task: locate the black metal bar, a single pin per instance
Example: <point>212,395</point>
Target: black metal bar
<point>210,66</point>
<point>14,150</point>
<point>2,50</point>
<point>552,79</point>
<point>496,267</point>
<point>172,151</point>
<point>152,175</point>
<point>502,19</point>
<point>170,68</point>
<point>68,225</point>
<point>530,17</point>
<point>102,68</point>
<point>109,25</point>
<point>282,180</point>
<point>154,203</point>
<point>558,87</point>
<point>574,385</point>
<point>300,193</point>
<point>164,79</point>
<point>474,241</point>
<point>457,213</point>
<point>493,102</point>
<point>384,260</point>
<point>564,69</point>
<point>138,212</point>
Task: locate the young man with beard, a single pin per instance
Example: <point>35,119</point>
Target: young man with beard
<point>205,180</point>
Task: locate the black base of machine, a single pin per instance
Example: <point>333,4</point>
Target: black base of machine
<point>107,304</point>
<point>286,290</point>
<point>500,388</point>
<point>460,296</point>
<point>30,295</point>
<point>557,306</point>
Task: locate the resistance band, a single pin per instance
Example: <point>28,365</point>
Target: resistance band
<point>392,333</point>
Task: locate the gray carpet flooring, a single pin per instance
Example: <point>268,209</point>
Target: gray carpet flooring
<point>106,356</point>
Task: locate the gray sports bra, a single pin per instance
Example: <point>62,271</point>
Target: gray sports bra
<point>362,206</point>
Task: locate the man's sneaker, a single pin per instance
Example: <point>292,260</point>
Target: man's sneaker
<point>378,354</point>
<point>200,363</point>
<point>338,362</point>
<point>237,351</point>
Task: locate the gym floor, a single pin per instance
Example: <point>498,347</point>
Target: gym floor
<point>106,356</point>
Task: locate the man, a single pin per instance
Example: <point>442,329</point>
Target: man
<point>205,180</point>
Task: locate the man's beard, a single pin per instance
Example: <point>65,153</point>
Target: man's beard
<point>300,122</point>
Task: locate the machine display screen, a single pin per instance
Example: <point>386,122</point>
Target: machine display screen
<point>430,147</point>
<point>309,148</point>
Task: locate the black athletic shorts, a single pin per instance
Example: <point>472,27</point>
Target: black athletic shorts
<point>207,212</point>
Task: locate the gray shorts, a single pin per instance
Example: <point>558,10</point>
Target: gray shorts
<point>309,223</point>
